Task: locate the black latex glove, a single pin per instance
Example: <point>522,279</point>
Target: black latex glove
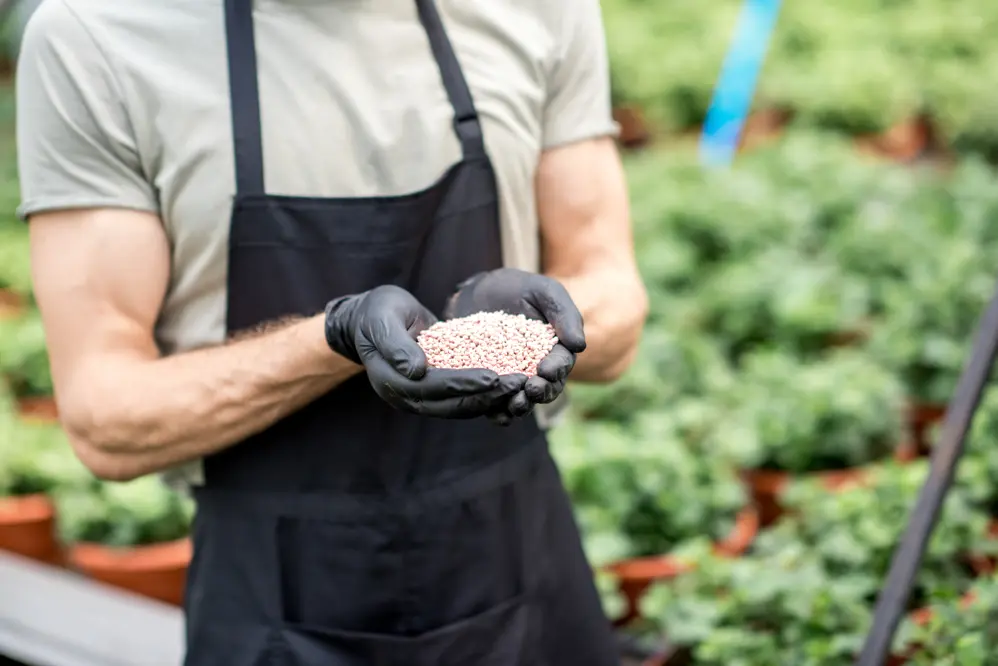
<point>378,329</point>
<point>537,297</point>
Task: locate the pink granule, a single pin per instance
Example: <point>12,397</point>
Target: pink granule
<point>504,343</point>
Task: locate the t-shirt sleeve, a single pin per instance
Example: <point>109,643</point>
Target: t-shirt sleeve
<point>75,144</point>
<point>578,103</point>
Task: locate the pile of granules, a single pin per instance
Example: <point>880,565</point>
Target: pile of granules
<point>504,343</point>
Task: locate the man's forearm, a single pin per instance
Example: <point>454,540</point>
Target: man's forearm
<point>136,417</point>
<point>614,305</point>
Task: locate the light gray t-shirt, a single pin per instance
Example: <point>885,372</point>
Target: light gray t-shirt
<point>124,103</point>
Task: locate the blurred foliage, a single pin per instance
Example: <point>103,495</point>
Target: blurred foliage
<point>854,67</point>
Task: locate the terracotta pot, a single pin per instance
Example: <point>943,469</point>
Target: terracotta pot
<point>921,417</point>
<point>767,485</point>
<point>27,527</point>
<point>741,536</point>
<point>157,571</point>
<point>904,142</point>
<point>985,565</point>
<point>922,617</point>
<point>850,337</point>
<point>762,127</point>
<point>907,452</point>
<point>634,132</point>
<point>11,304</point>
<point>38,409</point>
<point>636,575</point>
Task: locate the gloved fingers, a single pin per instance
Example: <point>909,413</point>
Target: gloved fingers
<point>556,366</point>
<point>472,406</point>
<point>392,336</point>
<point>435,384</point>
<point>443,383</point>
<point>520,404</point>
<point>554,302</point>
<point>517,407</point>
<point>541,392</point>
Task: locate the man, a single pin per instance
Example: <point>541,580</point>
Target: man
<point>241,217</point>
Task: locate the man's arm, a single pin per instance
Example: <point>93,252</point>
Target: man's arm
<point>582,196</point>
<point>100,276</point>
<point>101,261</point>
<point>587,244</point>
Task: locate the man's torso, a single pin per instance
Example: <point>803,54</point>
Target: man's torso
<point>352,105</point>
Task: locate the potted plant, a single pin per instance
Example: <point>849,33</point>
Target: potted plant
<point>130,535</point>
<point>977,473</point>
<point>671,365</point>
<point>788,418</point>
<point>964,111</point>
<point>960,630</point>
<point>675,91</point>
<point>855,531</point>
<point>34,461</point>
<point>870,93</point>
<point>781,608</point>
<point>24,362</point>
<point>15,272</point>
<point>880,239</point>
<point>929,322</point>
<point>641,493</point>
<point>802,304</point>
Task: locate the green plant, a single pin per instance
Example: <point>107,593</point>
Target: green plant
<point>880,238</point>
<point>144,511</point>
<point>961,630</point>
<point>609,593</point>
<point>931,316</point>
<point>646,489</point>
<point>23,356</point>
<point>840,411</point>
<point>670,365</point>
<point>784,298</point>
<point>673,89</point>
<point>34,458</point>
<point>842,96</point>
<point>15,270</point>
<point>781,608</point>
<point>855,531</point>
<point>977,472</point>
<point>964,111</point>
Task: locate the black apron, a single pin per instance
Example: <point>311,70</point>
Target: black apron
<point>349,533</point>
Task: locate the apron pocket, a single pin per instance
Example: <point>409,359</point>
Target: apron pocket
<point>496,637</point>
<point>406,571</point>
<point>345,575</point>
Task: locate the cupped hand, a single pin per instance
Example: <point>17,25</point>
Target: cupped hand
<point>378,329</point>
<point>537,297</point>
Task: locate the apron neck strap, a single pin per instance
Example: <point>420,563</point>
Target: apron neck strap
<point>467,125</point>
<point>244,91</point>
<point>244,96</point>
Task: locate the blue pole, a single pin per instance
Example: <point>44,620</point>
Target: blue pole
<point>736,85</point>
